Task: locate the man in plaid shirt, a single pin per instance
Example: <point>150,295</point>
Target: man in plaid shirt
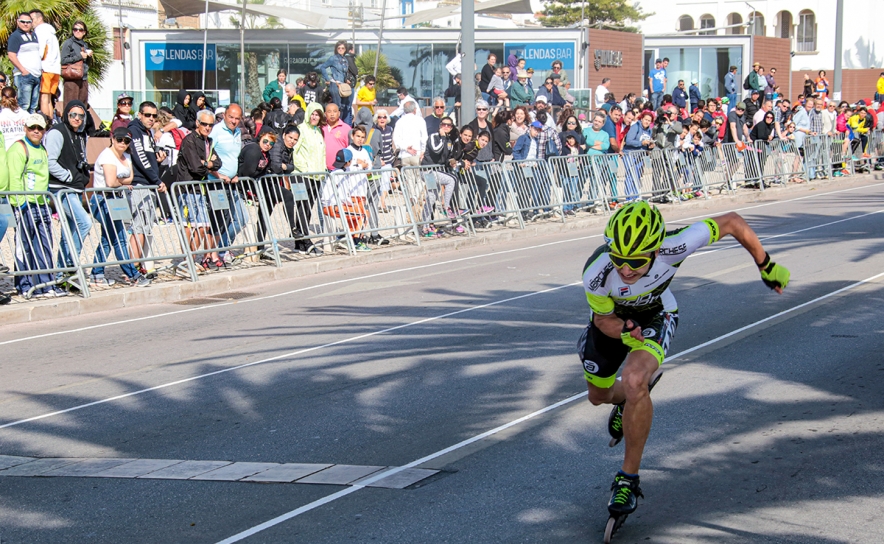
<point>812,145</point>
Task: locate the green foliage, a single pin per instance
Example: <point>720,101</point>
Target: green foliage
<point>601,13</point>
<point>61,14</point>
<point>385,78</point>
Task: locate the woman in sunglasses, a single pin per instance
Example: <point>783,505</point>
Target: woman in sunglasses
<point>124,112</point>
<point>634,316</point>
<point>113,170</point>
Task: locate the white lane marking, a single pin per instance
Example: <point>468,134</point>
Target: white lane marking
<point>351,339</point>
<point>399,271</point>
<point>335,496</point>
<point>285,355</point>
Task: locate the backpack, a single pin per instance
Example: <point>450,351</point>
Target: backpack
<point>746,84</point>
<point>178,134</point>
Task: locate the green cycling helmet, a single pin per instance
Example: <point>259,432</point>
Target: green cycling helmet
<point>634,229</point>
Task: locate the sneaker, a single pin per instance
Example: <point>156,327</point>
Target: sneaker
<point>570,213</point>
<point>141,281</point>
<point>459,229</point>
<point>361,246</point>
<point>313,249</point>
<point>451,214</point>
<point>625,494</point>
<point>150,274</point>
<point>3,269</point>
<point>486,209</point>
<point>5,299</point>
<point>101,281</point>
<point>54,293</point>
<point>228,257</point>
<point>429,234</point>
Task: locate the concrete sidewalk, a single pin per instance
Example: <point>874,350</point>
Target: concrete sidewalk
<point>219,283</point>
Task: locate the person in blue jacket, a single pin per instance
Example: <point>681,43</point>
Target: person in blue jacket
<point>334,70</point>
<point>694,94</point>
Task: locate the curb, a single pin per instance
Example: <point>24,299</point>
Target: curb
<point>218,284</point>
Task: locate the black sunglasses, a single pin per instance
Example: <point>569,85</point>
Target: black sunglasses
<point>149,115</point>
<point>203,124</point>
<point>125,103</point>
<point>3,80</point>
<point>124,140</point>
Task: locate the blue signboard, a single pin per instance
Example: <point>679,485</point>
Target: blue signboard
<point>540,55</point>
<point>178,56</point>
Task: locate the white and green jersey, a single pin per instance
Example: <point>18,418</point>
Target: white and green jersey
<point>608,294</point>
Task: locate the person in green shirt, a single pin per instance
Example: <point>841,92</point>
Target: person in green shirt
<point>28,169</point>
<point>521,94</point>
<point>275,88</point>
<point>597,140</point>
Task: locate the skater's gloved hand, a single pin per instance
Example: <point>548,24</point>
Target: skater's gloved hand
<point>774,275</point>
<point>631,335</point>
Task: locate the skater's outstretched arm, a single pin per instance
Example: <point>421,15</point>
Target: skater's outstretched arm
<point>773,275</point>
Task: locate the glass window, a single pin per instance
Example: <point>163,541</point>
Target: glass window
<point>685,22</point>
<point>806,31</point>
<point>784,25</point>
<point>757,23</point>
<point>734,19</point>
<point>707,21</point>
<point>683,64</point>
<point>714,64</point>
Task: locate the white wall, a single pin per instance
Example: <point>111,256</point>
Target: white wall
<point>863,44</point>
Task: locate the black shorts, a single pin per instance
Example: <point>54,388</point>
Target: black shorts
<point>602,355</point>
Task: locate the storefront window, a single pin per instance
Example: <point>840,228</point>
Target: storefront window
<point>707,64</point>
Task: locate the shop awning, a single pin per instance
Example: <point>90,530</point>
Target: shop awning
<point>489,6</point>
<point>184,8</point>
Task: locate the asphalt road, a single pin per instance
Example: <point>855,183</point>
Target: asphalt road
<point>768,421</point>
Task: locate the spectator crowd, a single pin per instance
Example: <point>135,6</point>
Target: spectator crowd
<point>329,121</point>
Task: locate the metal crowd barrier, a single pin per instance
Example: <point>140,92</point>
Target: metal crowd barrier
<point>581,189</point>
<point>353,199</point>
<point>217,217</point>
<point>441,202</point>
<point>340,210</point>
<point>31,244</point>
<point>128,229</point>
<point>540,196</point>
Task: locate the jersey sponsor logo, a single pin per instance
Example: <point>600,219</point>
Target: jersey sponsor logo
<point>624,291</point>
<point>590,367</point>
<point>643,300</point>
<point>677,250</point>
<point>600,277</point>
<point>649,333</point>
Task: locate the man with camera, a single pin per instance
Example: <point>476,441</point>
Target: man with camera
<point>65,145</point>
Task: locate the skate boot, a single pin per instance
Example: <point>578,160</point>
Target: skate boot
<point>624,496</point>
<point>615,423</point>
<point>615,420</point>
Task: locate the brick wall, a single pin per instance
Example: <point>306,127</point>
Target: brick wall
<point>773,53</point>
<point>624,79</point>
<point>855,84</point>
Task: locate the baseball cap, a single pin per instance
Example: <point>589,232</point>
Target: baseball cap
<point>122,132</point>
<point>741,106</point>
<point>35,119</point>
<point>541,99</point>
<point>536,124</point>
<point>219,110</point>
<point>123,96</point>
<point>694,81</point>
<point>342,157</point>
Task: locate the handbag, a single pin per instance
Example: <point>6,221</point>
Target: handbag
<point>344,90</point>
<point>72,71</point>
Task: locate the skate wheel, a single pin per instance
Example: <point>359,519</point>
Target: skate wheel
<point>614,442</point>
<point>609,530</point>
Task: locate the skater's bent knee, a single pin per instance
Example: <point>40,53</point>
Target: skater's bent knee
<point>598,396</point>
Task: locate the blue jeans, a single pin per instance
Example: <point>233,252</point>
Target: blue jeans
<point>634,169</point>
<point>113,233</point>
<point>732,101</point>
<point>335,94</point>
<point>79,221</point>
<point>4,223</point>
<point>656,99</point>
<point>239,218</point>
<point>28,92</point>
<point>33,246</point>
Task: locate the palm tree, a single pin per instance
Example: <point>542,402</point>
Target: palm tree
<point>385,77</point>
<point>61,14</point>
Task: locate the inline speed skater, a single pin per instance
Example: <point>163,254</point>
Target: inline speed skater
<point>634,316</point>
